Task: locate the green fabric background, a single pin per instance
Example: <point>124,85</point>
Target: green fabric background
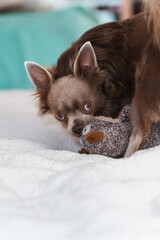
<point>40,37</point>
<point>37,36</point>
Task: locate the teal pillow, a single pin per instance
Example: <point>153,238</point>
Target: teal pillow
<point>40,37</point>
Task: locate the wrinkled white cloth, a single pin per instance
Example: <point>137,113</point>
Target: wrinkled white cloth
<point>52,194</point>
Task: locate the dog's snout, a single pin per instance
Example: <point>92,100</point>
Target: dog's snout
<point>77,129</point>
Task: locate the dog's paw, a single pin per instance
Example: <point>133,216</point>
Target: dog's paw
<point>82,151</point>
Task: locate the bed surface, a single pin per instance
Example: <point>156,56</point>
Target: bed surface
<point>50,193</point>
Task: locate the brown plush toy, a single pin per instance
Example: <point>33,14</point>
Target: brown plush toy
<point>110,137</point>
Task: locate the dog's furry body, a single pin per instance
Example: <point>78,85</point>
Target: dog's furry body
<point>126,71</point>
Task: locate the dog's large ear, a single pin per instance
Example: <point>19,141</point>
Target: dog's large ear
<point>85,60</point>
<point>39,76</point>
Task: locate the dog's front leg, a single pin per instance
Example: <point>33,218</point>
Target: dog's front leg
<point>137,130</point>
<point>134,143</point>
<point>145,104</point>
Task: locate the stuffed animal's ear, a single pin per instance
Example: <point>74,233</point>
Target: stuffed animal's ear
<point>124,115</point>
<point>39,76</point>
<point>85,60</point>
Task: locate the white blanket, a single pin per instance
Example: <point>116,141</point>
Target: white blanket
<point>61,195</point>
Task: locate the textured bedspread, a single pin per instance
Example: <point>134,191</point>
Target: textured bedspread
<point>52,194</point>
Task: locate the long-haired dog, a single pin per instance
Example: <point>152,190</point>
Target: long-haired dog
<point>110,66</point>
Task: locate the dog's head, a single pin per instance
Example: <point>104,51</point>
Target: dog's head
<point>74,98</point>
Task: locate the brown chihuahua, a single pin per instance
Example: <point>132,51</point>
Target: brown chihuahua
<point>110,66</point>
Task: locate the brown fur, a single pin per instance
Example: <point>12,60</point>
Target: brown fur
<point>128,72</point>
<point>145,107</point>
<point>152,9</point>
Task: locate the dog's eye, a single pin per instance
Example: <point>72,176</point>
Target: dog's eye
<point>60,116</point>
<point>88,106</point>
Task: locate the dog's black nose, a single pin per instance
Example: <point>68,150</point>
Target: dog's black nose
<point>77,129</point>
